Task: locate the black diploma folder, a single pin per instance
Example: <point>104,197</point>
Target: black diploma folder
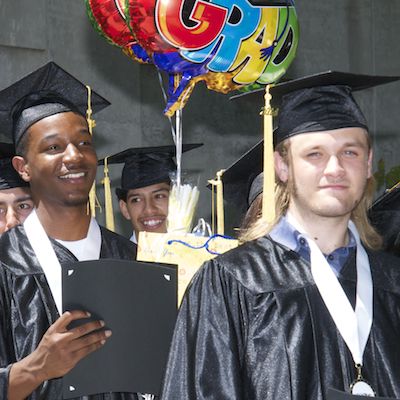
<point>334,394</point>
<point>138,302</point>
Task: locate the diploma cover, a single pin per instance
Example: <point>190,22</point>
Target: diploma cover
<point>334,394</point>
<point>138,302</point>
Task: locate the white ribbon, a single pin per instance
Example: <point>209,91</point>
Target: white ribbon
<point>354,327</point>
<point>47,257</point>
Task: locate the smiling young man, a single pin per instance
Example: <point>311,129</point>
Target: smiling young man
<point>15,195</point>
<point>308,308</point>
<point>145,186</point>
<point>57,157</point>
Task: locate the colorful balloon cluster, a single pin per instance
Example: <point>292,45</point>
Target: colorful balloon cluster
<point>228,44</point>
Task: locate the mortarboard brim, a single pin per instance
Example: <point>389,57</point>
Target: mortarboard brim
<point>138,152</point>
<point>145,166</point>
<point>328,78</point>
<point>319,102</point>
<point>49,79</point>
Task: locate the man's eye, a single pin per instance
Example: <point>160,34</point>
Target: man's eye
<point>161,196</point>
<point>85,143</point>
<point>314,154</point>
<point>25,206</point>
<point>135,199</point>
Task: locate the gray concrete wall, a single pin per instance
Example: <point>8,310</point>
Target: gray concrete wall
<point>348,35</point>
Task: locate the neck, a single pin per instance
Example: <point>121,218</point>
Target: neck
<point>329,233</point>
<point>64,223</point>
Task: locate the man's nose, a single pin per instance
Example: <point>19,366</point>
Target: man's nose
<point>334,167</point>
<point>150,206</point>
<point>12,219</point>
<point>72,153</point>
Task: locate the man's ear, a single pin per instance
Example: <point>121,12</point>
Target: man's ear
<point>369,165</point>
<point>124,209</point>
<point>21,167</point>
<point>281,168</point>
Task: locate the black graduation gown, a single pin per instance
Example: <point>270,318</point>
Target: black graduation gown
<point>253,326</point>
<point>27,307</point>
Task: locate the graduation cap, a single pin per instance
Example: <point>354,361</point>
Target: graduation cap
<point>385,217</point>
<point>145,166</point>
<point>47,91</point>
<point>319,102</point>
<point>9,177</point>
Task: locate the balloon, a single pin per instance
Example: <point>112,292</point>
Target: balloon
<point>108,18</point>
<point>228,44</point>
<point>234,43</point>
<point>140,19</point>
<point>259,42</point>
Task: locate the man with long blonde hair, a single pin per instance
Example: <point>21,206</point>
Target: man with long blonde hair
<point>310,308</point>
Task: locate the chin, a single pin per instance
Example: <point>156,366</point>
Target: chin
<point>333,211</point>
<point>76,202</point>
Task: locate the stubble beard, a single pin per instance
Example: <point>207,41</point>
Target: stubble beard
<point>325,211</point>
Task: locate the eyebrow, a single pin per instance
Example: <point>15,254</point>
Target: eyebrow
<point>23,198</point>
<point>19,199</point>
<point>52,136</point>
<point>354,143</point>
<point>161,190</point>
<point>154,191</point>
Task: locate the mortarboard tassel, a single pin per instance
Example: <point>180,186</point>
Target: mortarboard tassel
<point>91,124</point>
<point>268,201</point>
<point>217,183</point>
<point>108,198</point>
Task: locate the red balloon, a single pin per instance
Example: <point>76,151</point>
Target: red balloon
<point>108,16</point>
<point>141,21</point>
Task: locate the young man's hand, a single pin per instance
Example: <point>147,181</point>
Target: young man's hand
<point>57,353</point>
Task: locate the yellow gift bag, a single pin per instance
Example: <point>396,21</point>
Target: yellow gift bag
<point>186,250</point>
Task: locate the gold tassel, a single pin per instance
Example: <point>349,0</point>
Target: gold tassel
<point>217,183</point>
<point>213,222</point>
<point>268,200</point>
<point>108,198</point>
<point>91,124</point>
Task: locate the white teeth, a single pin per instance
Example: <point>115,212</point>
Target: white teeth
<point>73,176</point>
<point>152,222</point>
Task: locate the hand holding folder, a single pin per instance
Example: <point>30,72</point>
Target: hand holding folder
<point>137,301</point>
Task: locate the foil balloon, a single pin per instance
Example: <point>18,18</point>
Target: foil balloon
<point>140,18</point>
<point>108,19</point>
<point>234,43</point>
<point>257,39</point>
<point>228,44</point>
<point>183,74</point>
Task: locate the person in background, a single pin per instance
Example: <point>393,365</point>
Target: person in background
<point>254,211</point>
<point>385,217</point>
<point>145,186</point>
<point>242,183</point>
<point>15,195</point>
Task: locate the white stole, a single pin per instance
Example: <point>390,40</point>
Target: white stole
<point>354,326</point>
<point>47,257</point>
